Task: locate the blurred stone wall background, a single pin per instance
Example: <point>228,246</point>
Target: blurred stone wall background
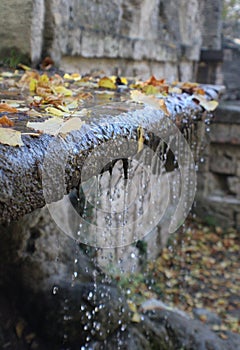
<point>137,37</point>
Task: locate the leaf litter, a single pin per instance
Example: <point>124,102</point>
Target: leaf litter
<point>198,269</point>
<point>46,95</point>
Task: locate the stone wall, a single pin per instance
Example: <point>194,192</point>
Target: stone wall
<point>138,37</point>
<point>230,68</point>
<point>219,175</point>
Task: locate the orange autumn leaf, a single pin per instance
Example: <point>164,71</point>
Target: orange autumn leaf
<point>4,107</point>
<point>153,81</point>
<point>5,121</point>
<point>199,91</point>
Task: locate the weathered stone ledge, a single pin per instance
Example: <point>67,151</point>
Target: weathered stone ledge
<point>21,168</point>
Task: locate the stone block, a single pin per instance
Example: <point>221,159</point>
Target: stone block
<point>21,31</point>
<point>222,164</point>
<point>222,210</point>
<point>234,185</point>
<point>220,133</point>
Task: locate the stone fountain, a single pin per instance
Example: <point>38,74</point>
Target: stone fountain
<point>71,206</point>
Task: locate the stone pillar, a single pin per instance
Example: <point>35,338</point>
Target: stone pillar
<point>21,30</point>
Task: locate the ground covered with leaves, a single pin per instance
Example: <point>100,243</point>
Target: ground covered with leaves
<point>198,270</point>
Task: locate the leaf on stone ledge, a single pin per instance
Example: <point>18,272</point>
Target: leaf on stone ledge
<point>54,111</point>
<point>62,90</point>
<point>5,121</point>
<point>55,125</point>
<point>4,107</point>
<point>207,105</point>
<point>49,126</point>
<point>10,137</point>
<point>151,101</point>
<point>136,318</point>
<point>140,138</point>
<point>70,125</point>
<point>107,83</point>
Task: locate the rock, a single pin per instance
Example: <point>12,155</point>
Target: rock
<point>167,330</point>
<point>187,334</point>
<point>154,304</point>
<point>72,299</point>
<point>207,316</point>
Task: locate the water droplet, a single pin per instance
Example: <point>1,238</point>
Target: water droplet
<point>55,290</point>
<point>123,327</point>
<point>90,295</point>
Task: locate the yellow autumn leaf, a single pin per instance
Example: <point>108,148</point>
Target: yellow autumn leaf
<point>54,111</point>
<point>150,90</point>
<point>63,108</point>
<point>73,76</point>
<point>123,79</point>
<point>44,78</point>
<point>62,90</point>
<point>107,83</point>
<point>207,105</point>
<point>140,138</point>
<point>136,318</point>
<point>132,306</point>
<point>24,67</point>
<point>33,85</point>
<point>10,137</point>
<point>67,76</point>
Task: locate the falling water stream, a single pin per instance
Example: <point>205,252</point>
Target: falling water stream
<point>127,200</point>
<point>115,200</point>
